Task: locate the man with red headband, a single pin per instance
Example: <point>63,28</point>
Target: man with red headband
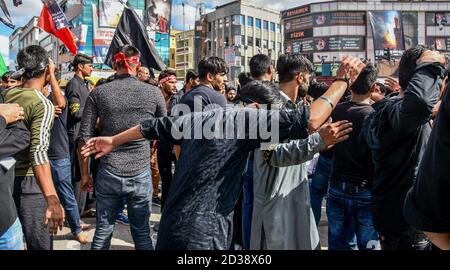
<point>120,105</point>
<point>167,81</point>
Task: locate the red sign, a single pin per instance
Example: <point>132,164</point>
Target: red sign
<point>296,11</point>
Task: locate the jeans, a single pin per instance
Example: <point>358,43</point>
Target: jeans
<point>12,239</point>
<point>109,190</point>
<point>247,205</point>
<point>122,202</point>
<point>319,185</point>
<point>62,178</point>
<point>410,239</point>
<point>349,213</point>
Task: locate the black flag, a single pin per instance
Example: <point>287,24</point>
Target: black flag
<point>131,30</point>
<point>7,21</point>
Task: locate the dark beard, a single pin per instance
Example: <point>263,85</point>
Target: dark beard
<point>303,90</point>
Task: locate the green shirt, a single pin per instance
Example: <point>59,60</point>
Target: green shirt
<point>39,118</point>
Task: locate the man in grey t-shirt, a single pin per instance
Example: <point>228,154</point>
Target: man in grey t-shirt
<point>120,105</point>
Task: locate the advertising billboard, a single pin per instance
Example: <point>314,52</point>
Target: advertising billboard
<point>102,37</point>
<point>387,32</point>
<point>339,18</point>
<point>158,15</point>
<point>109,12</point>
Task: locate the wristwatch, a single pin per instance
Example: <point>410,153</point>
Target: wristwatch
<point>343,79</point>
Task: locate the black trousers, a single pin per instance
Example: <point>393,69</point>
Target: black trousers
<point>409,239</point>
<point>166,157</point>
<point>31,210</point>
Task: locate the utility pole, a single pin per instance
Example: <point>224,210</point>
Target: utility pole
<point>184,42</point>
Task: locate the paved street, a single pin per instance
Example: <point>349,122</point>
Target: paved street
<point>122,239</point>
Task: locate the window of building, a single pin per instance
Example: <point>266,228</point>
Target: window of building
<point>227,21</point>
<point>242,60</point>
<point>279,46</point>
<point>227,42</point>
<point>220,23</point>
<point>266,25</point>
<point>209,27</point>
<point>265,43</point>
<point>249,41</point>
<point>209,45</point>
<point>278,28</point>
<point>272,45</point>
<point>258,23</point>
<point>258,42</point>
<point>249,21</point>
<point>238,40</point>
<point>238,20</point>
<point>272,27</point>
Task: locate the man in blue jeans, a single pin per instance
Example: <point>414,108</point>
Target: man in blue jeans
<point>349,199</point>
<point>59,156</point>
<point>118,106</point>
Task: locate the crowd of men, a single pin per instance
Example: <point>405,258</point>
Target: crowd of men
<point>377,152</point>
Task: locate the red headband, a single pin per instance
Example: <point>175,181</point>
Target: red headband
<point>121,57</point>
<point>166,79</point>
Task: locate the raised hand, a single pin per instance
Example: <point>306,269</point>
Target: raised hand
<point>350,68</point>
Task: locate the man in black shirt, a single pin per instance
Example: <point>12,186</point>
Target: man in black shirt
<point>59,156</point>
<point>77,93</point>
<point>349,200</point>
<point>14,137</point>
<point>212,75</point>
<point>397,133</point>
<point>427,205</point>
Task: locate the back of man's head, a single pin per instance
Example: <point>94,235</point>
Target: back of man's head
<point>317,89</point>
<point>33,59</point>
<point>244,78</point>
<point>261,92</point>
<point>191,75</point>
<point>408,65</point>
<point>213,65</point>
<point>260,65</point>
<point>128,51</point>
<point>290,65</point>
<point>366,79</point>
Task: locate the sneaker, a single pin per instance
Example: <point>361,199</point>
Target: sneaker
<point>156,200</point>
<point>122,219</point>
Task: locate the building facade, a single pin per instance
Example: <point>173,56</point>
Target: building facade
<point>173,47</point>
<point>378,31</point>
<point>240,29</point>
<point>30,34</point>
<point>14,45</point>
<point>185,51</point>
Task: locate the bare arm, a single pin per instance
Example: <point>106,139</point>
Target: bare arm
<point>441,240</point>
<point>58,97</point>
<point>320,109</point>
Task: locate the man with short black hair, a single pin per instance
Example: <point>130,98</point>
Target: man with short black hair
<point>349,198</point>
<point>8,81</point>
<point>261,67</point>
<point>36,198</point>
<point>77,93</point>
<point>397,133</point>
<point>166,156</point>
<point>212,73</point>
<point>119,105</point>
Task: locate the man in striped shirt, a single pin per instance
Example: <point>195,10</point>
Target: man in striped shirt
<point>36,199</point>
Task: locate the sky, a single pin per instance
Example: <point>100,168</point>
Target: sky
<point>22,14</point>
